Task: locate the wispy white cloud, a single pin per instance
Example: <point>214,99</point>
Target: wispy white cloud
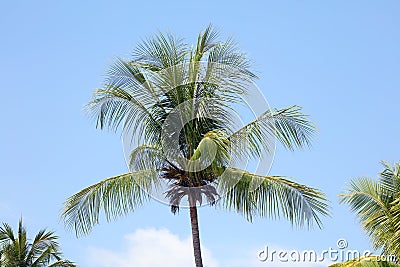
<point>149,248</point>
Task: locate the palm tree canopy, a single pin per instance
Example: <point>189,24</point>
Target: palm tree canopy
<point>377,205</point>
<point>176,104</point>
<point>16,250</point>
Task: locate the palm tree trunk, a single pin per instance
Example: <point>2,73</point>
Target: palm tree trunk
<point>195,235</point>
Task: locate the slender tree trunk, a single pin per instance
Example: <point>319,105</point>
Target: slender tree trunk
<point>195,235</point>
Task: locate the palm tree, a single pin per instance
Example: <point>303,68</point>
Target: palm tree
<point>17,251</point>
<point>176,103</point>
<point>377,205</point>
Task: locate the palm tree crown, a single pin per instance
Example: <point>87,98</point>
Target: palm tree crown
<point>17,251</point>
<point>176,102</point>
<point>377,205</point>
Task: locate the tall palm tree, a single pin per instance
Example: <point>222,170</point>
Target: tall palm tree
<point>176,102</point>
<point>377,205</point>
<point>17,251</point>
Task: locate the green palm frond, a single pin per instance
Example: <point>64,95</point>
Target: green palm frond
<point>273,197</point>
<point>113,106</point>
<point>292,127</point>
<point>129,75</point>
<point>228,54</point>
<point>390,178</point>
<point>160,52</point>
<point>6,233</point>
<point>62,263</point>
<point>147,157</point>
<point>205,42</point>
<point>44,243</point>
<point>376,204</point>
<point>289,126</point>
<point>391,182</point>
<point>116,196</point>
<point>365,198</point>
<point>395,238</point>
<point>213,150</point>
<point>44,257</point>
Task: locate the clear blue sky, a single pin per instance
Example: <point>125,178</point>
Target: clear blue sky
<point>340,60</point>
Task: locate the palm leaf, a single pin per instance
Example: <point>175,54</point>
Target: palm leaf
<point>62,263</point>
<point>274,197</point>
<point>160,52</point>
<point>289,126</point>
<point>365,199</point>
<point>6,234</point>
<point>147,157</point>
<point>116,196</point>
<point>376,204</point>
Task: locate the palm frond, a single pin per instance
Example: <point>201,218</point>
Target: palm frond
<point>147,157</point>
<point>115,196</point>
<point>390,178</point>
<point>227,53</point>
<point>394,245</point>
<point>289,126</point>
<point>21,241</point>
<point>113,107</point>
<point>365,198</point>
<point>205,41</point>
<point>376,204</point>
<point>6,234</point>
<point>274,197</point>
<point>43,257</point>
<point>63,263</point>
<point>292,127</point>
<point>44,243</point>
<point>213,150</point>
<point>132,78</point>
<point>160,52</point>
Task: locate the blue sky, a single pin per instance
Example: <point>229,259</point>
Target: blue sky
<point>340,60</point>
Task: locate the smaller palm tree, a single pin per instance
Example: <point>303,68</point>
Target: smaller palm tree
<point>377,205</point>
<point>17,251</point>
